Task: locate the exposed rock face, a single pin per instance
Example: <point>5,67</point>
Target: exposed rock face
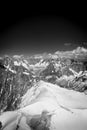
<point>40,122</point>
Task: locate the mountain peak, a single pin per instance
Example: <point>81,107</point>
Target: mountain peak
<point>80,49</point>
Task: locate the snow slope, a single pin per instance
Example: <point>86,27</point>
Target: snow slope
<point>67,108</point>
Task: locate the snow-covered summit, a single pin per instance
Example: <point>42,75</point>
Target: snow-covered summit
<point>79,50</point>
<point>64,96</point>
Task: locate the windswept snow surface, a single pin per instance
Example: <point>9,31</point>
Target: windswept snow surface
<point>68,108</point>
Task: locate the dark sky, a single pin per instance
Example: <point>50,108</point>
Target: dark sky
<point>42,31</point>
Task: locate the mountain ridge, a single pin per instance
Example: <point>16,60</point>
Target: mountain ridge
<point>18,73</point>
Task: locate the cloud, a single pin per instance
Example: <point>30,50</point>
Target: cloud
<point>67,44</point>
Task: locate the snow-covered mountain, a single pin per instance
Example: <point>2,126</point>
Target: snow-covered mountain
<point>57,80</point>
<point>48,107</point>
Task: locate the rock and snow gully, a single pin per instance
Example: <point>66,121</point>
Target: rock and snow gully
<point>48,107</point>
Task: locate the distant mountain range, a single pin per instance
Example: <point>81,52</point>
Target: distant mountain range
<point>18,73</point>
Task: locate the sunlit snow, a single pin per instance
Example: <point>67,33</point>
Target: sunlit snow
<point>68,108</point>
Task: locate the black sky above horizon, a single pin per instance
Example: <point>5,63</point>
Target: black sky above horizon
<point>43,31</point>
